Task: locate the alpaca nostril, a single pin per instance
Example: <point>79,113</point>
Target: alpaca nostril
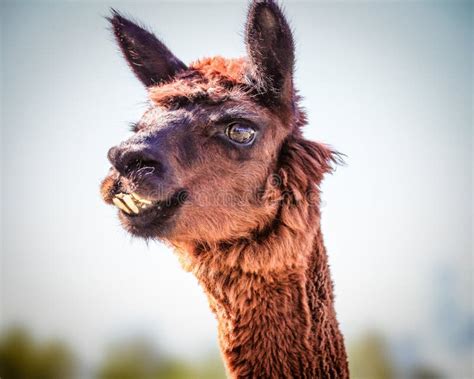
<point>137,164</point>
<point>130,162</point>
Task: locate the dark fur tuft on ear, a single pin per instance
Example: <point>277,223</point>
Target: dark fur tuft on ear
<point>270,49</point>
<point>149,58</point>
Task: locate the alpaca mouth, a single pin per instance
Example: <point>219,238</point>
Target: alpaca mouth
<point>146,217</point>
<point>133,205</point>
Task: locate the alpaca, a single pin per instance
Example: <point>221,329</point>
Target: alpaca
<point>218,169</point>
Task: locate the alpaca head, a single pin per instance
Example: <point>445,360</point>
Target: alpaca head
<point>201,163</point>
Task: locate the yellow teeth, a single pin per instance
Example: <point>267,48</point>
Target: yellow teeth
<point>140,199</point>
<point>130,202</point>
<point>120,205</point>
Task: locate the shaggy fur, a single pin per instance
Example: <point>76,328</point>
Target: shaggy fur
<point>244,219</point>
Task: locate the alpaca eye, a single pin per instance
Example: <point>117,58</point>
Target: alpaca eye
<point>240,133</point>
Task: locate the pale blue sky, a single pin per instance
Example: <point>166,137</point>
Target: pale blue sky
<point>387,83</point>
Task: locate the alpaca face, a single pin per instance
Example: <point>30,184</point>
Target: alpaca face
<point>203,167</point>
<point>199,164</point>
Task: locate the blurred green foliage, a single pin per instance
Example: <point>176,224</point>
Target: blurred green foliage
<point>369,358</point>
<point>137,359</point>
<point>23,358</point>
<point>423,372</point>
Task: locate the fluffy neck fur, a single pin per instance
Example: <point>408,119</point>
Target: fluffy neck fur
<point>272,293</point>
<point>280,324</point>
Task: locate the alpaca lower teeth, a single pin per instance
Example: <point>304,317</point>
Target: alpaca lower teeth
<point>131,204</point>
<point>118,203</point>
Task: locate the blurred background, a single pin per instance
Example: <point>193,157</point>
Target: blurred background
<point>387,83</point>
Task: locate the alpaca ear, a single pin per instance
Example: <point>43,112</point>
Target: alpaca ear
<point>149,58</point>
<point>270,49</point>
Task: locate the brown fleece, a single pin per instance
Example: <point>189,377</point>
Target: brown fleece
<point>208,78</point>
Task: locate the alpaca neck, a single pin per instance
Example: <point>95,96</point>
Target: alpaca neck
<point>280,322</point>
